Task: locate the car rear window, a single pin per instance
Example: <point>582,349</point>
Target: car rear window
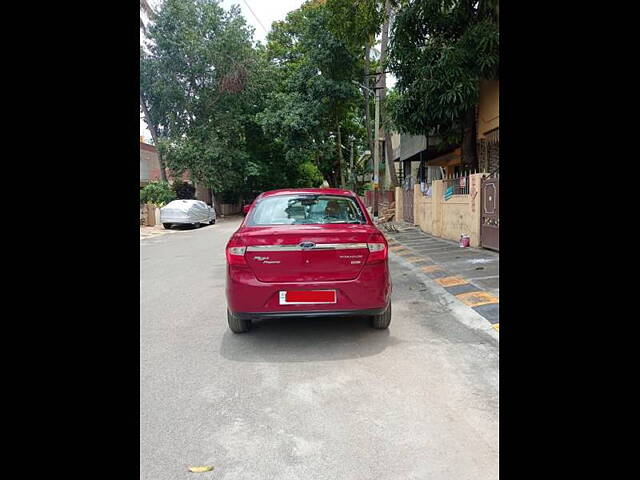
<point>305,210</point>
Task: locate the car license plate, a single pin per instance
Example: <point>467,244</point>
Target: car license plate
<point>307,297</point>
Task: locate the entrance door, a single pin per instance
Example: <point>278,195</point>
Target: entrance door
<point>490,218</point>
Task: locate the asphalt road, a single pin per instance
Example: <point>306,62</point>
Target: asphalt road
<point>308,399</point>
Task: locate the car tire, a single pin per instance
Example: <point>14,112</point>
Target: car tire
<point>383,320</point>
<point>166,226</point>
<point>212,222</point>
<point>236,324</point>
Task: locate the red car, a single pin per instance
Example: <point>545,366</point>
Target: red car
<point>307,252</point>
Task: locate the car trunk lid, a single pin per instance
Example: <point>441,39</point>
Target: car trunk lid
<point>307,252</point>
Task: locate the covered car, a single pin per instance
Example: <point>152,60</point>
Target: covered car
<point>189,212</point>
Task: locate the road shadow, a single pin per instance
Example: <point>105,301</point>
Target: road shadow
<point>189,227</point>
<point>278,340</point>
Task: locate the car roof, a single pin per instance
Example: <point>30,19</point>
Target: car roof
<point>185,200</point>
<point>319,191</point>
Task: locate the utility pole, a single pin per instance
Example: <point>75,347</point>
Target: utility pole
<point>376,146</point>
<point>376,154</point>
<point>340,158</point>
<point>351,178</point>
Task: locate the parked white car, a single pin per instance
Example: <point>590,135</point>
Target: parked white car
<point>187,212</point>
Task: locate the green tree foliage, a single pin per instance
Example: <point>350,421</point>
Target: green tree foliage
<point>356,21</point>
<point>440,51</point>
<point>199,78</point>
<point>314,95</point>
<point>309,176</point>
<point>184,190</point>
<point>157,193</point>
<point>244,118</point>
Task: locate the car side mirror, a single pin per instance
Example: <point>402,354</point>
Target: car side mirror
<point>245,209</point>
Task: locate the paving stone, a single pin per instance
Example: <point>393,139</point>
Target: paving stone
<point>477,298</point>
<point>490,312</point>
<point>438,274</point>
<point>490,272</point>
<point>423,262</point>
<point>462,289</point>
<point>488,283</point>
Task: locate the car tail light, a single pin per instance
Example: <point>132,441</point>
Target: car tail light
<point>235,252</point>
<point>377,249</point>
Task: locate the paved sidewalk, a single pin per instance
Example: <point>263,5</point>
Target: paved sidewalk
<point>470,274</point>
<point>147,232</point>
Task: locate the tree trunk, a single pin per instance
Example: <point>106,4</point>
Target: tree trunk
<point>469,154</point>
<point>340,157</point>
<point>216,207</point>
<point>154,135</point>
<point>383,95</point>
<point>367,103</point>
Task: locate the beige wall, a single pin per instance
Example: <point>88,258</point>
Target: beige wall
<point>488,107</point>
<point>458,215</point>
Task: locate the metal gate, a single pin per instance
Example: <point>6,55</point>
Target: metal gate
<point>490,208</point>
<point>407,193</point>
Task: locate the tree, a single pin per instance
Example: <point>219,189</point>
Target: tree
<point>157,193</point>
<point>440,52</point>
<point>146,8</point>
<point>314,93</point>
<point>383,94</point>
<point>200,86</point>
<point>358,22</point>
<point>151,14</point>
<point>309,176</point>
<point>184,190</point>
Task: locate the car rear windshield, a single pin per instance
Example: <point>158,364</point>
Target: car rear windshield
<point>306,209</point>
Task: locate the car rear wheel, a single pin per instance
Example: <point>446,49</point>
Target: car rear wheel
<point>237,325</point>
<point>383,320</point>
<point>212,222</point>
<point>167,226</point>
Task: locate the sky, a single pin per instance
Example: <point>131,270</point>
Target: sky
<point>259,14</point>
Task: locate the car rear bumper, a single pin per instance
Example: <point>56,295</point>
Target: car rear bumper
<point>310,313</point>
<point>175,219</point>
<point>368,294</point>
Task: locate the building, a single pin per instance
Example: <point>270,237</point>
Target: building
<point>437,191</point>
<point>149,163</point>
<point>420,158</point>
<point>488,126</point>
